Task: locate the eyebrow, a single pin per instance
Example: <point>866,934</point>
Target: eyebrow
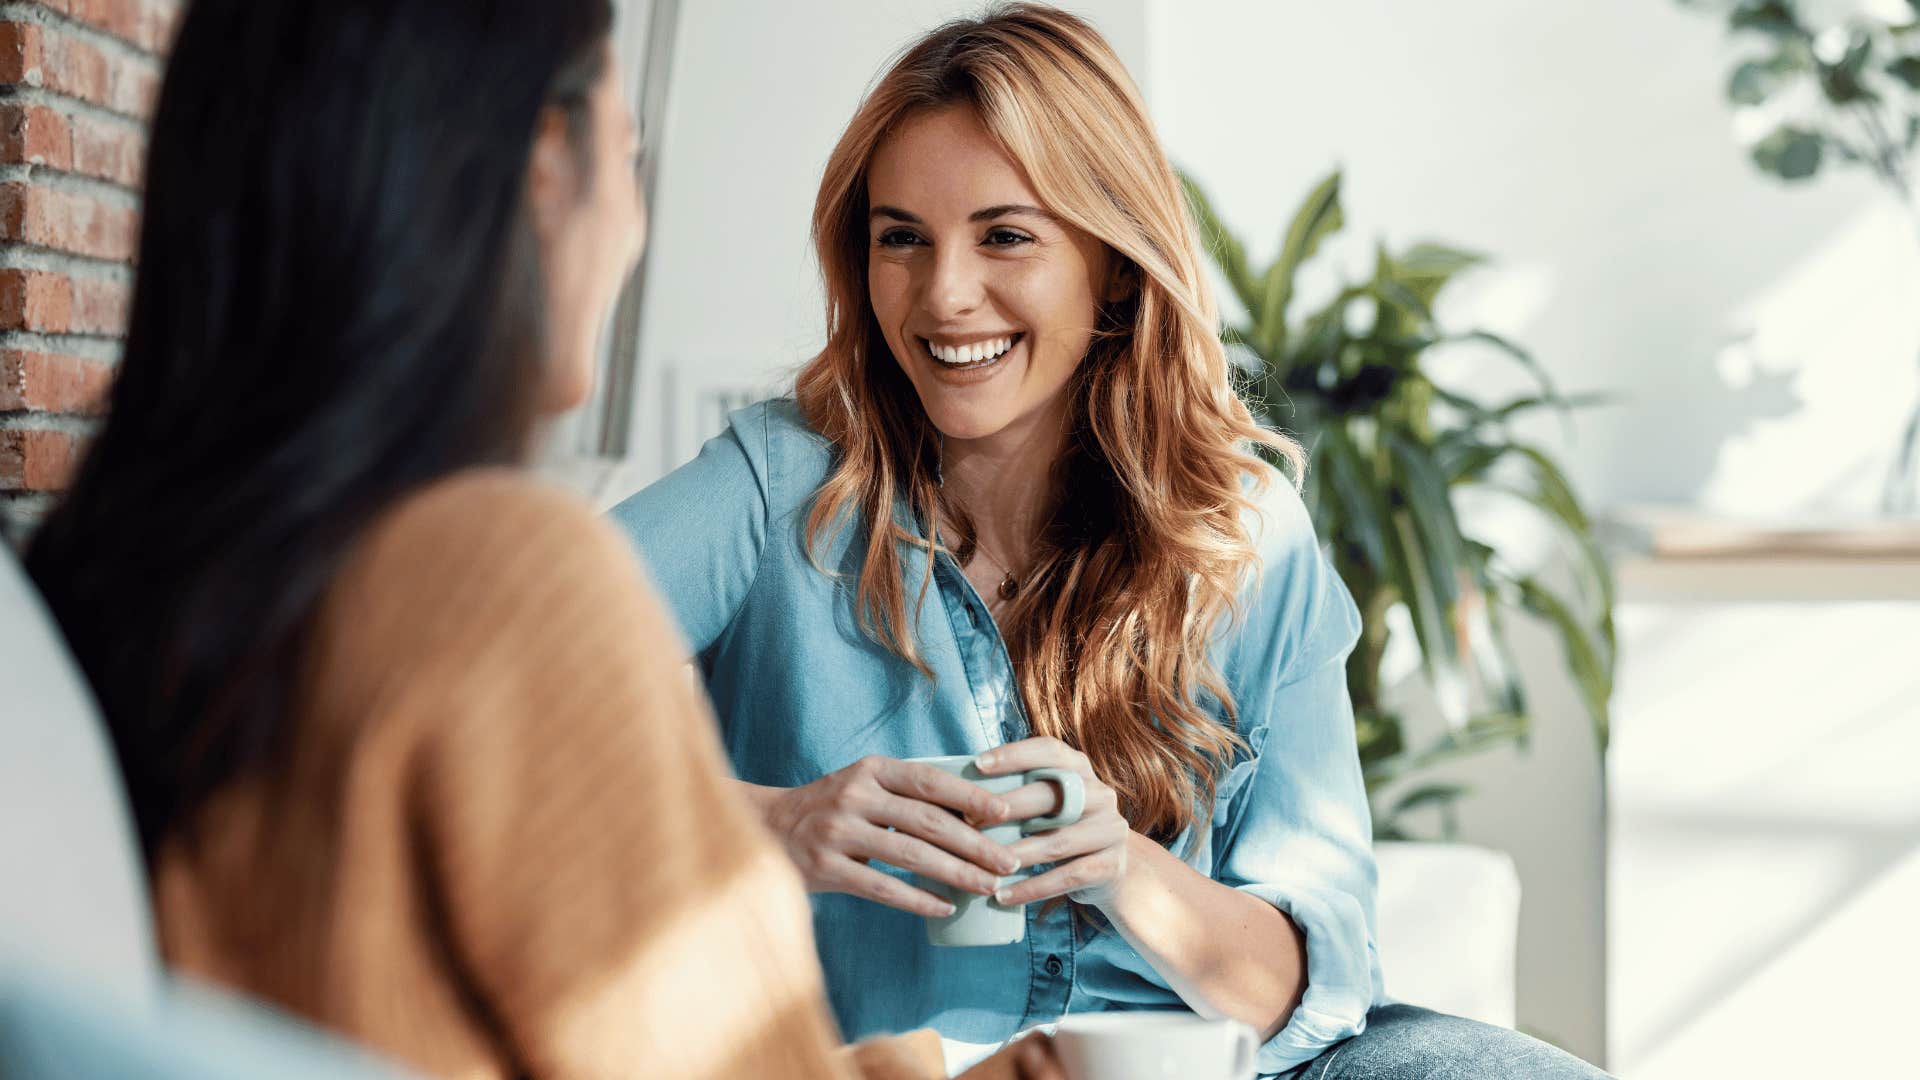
<point>986,213</point>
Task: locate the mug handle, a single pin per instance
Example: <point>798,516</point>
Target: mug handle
<point>1073,798</point>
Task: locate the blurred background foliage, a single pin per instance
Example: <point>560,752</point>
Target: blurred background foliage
<point>1392,449</point>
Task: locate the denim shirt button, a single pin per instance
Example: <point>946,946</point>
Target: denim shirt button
<point>1054,966</point>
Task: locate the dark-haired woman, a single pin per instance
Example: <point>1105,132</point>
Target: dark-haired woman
<point>404,731</point>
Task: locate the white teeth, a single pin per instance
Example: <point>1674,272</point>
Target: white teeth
<point>960,355</point>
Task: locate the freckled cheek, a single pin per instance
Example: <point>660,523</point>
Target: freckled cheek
<point>889,291</point>
<point>1059,310</point>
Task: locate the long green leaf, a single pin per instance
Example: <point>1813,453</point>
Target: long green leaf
<point>1425,269</point>
<point>1591,676</point>
<point>1562,506</point>
<point>1431,610</point>
<point>1509,349</point>
<point>1227,251</point>
<point>1359,520</point>
<point>1424,490</point>
<point>1318,218</point>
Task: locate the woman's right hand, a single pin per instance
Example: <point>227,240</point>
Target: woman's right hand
<point>903,813</point>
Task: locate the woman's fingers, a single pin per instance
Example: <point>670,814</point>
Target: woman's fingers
<point>1041,751</point>
<point>1083,837</point>
<point>1041,799</point>
<point>918,780</point>
<point>855,878</point>
<point>909,852</point>
<point>1071,877</point>
<point>937,826</point>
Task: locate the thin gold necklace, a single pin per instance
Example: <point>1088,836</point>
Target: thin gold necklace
<point>1009,585</point>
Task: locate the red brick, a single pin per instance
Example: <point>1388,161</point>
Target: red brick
<point>144,23</point>
<point>43,56</point>
<point>21,58</point>
<point>51,383</point>
<point>106,151</point>
<point>64,221</point>
<point>36,460</point>
<point>99,306</point>
<point>35,300</point>
<point>35,135</point>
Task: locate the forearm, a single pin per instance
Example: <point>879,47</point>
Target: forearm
<point>1225,952</point>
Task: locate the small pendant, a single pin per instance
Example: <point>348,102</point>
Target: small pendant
<point>1008,587</point>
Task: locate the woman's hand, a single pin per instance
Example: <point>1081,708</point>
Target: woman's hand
<point>903,813</point>
<point>1091,853</point>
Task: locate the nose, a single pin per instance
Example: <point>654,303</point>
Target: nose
<point>953,286</point>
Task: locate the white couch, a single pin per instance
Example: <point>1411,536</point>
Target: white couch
<point>83,995</point>
<point>1449,921</point>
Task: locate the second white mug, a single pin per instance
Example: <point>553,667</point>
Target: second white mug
<point>1154,1046</point>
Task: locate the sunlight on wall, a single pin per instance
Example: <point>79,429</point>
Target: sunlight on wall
<point>1828,353</point>
<point>1765,840</point>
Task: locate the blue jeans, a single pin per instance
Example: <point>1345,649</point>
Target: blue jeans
<point>1404,1042</point>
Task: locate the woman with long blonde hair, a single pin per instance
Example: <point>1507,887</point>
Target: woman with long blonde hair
<point>1013,510</point>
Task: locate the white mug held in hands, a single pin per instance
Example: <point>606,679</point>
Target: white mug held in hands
<point>1154,1046</point>
<point>981,920</point>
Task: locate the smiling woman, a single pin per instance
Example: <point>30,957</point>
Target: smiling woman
<point>1013,511</point>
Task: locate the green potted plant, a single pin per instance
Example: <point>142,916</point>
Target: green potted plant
<point>1844,91</point>
<point>1391,450</point>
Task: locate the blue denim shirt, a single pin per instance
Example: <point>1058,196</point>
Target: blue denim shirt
<point>801,692</point>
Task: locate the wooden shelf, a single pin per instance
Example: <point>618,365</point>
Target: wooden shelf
<point>1669,533</point>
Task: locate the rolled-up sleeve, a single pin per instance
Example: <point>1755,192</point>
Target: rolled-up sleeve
<point>701,529</point>
<point>1296,831</point>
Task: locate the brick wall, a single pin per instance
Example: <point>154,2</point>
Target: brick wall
<point>77,79</point>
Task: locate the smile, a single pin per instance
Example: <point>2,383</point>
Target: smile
<point>976,354</point>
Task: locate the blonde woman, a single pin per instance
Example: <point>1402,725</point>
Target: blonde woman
<point>1012,510</point>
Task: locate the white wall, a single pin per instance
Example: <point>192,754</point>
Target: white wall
<point>760,93</point>
<point>1588,147</point>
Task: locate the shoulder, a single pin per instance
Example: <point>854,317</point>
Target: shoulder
<point>1275,517</point>
<point>794,458</point>
<point>491,520</point>
<point>485,555</point>
<point>1294,607</point>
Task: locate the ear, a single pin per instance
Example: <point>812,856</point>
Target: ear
<point>550,169</point>
<point>1123,279</point>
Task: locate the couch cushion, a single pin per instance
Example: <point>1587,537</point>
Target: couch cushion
<point>76,895</point>
<point>54,1030</point>
<point>1449,923</point>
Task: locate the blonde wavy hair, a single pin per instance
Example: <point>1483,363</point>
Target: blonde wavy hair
<point>1110,632</point>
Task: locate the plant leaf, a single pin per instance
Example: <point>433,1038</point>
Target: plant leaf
<point>1227,251</point>
<point>1790,153</point>
<point>1753,82</point>
<point>1428,795</point>
<point>1590,674</point>
<point>1318,218</point>
<point>1771,17</point>
<point>1907,70</point>
<point>1841,82</point>
<point>1359,519</point>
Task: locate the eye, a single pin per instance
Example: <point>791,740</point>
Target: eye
<point>1005,237</point>
<point>898,238</point>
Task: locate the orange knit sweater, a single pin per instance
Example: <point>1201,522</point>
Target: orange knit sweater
<point>500,840</point>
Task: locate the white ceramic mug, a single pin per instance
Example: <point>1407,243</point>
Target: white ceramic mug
<point>1154,1046</point>
<point>982,920</point>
